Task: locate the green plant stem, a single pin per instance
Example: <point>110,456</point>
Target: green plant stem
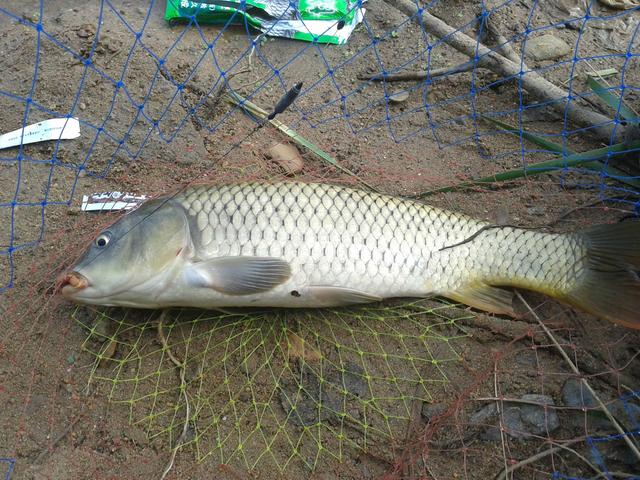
<point>613,101</point>
<point>585,159</point>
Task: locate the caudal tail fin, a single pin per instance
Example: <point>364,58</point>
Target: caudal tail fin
<point>610,285</point>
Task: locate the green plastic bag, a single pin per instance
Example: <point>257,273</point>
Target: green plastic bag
<point>323,21</point>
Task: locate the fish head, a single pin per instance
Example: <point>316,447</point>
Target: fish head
<point>132,259</point>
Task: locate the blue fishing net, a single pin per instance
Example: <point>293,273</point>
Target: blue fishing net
<point>137,85</point>
<point>596,43</point>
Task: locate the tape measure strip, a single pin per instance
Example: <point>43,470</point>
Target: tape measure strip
<point>52,129</point>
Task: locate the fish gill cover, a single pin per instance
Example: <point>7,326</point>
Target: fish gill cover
<point>491,90</point>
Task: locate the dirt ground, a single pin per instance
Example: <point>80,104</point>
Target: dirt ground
<point>67,414</point>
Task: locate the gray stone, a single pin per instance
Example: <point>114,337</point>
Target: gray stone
<point>614,452</point>
<point>484,415</point>
<point>575,394</point>
<point>519,420</point>
<point>575,8</point>
<point>546,47</point>
<point>351,379</point>
<point>626,411</point>
<point>537,419</point>
<point>433,410</point>
<point>512,422</point>
<point>538,211</point>
<point>305,401</point>
<point>308,399</point>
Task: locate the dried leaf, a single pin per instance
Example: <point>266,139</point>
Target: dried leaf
<point>287,157</point>
<point>108,352</point>
<point>299,348</point>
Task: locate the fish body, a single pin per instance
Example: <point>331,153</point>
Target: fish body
<point>315,245</point>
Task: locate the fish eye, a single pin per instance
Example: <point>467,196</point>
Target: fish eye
<point>103,240</point>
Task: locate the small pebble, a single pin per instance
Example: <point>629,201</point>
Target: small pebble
<point>86,31</point>
<point>546,47</point>
<point>30,17</point>
<point>520,420</point>
<point>536,211</point>
<point>399,97</point>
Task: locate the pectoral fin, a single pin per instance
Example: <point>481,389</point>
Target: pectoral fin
<point>330,296</point>
<point>238,275</point>
<point>485,297</point>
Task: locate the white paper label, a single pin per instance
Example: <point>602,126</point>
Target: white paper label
<point>110,201</point>
<point>53,129</point>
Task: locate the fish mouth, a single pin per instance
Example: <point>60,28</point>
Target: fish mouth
<point>72,283</point>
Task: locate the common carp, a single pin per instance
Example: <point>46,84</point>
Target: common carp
<point>315,245</point>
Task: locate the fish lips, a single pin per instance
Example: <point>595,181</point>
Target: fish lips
<point>71,283</point>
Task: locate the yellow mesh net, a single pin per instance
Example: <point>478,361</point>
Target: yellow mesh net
<point>275,386</point>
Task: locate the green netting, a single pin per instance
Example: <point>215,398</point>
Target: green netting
<point>278,386</point>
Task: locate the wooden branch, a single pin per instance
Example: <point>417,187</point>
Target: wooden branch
<point>419,76</point>
<point>503,45</point>
<point>533,82</point>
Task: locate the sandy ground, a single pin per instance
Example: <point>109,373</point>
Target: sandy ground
<point>57,420</point>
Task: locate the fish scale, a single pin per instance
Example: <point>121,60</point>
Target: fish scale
<point>312,245</point>
<point>332,235</point>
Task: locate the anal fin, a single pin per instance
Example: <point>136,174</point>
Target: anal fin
<point>332,296</point>
<point>485,297</point>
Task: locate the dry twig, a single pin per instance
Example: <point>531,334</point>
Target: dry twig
<point>183,388</point>
<point>49,448</point>
<point>499,410</point>
<point>531,402</point>
<point>419,76</point>
<point>504,474</point>
<point>530,80</point>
